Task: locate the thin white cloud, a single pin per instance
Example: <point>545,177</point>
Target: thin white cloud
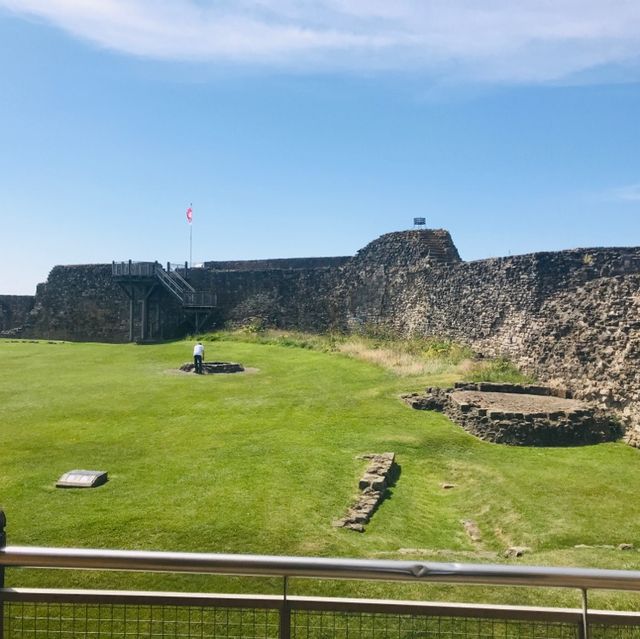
<point>496,40</point>
<point>629,193</point>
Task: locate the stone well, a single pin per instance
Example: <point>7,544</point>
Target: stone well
<point>210,368</point>
<point>520,415</point>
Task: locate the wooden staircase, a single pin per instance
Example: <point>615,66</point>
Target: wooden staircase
<point>141,281</point>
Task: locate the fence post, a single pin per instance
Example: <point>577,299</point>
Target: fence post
<point>285,614</point>
<point>3,543</point>
<point>132,300</point>
<point>584,626</point>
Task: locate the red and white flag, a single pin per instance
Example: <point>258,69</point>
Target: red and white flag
<point>189,215</point>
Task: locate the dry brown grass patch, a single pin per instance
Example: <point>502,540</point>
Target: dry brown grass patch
<point>400,362</point>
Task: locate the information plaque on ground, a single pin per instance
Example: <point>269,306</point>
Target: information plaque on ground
<point>82,479</point>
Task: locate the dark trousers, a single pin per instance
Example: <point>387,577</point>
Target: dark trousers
<point>197,361</point>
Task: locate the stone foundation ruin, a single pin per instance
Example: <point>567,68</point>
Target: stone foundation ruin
<point>520,415</point>
<point>211,368</point>
<point>380,474</point>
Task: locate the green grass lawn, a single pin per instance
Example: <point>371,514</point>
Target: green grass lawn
<point>262,462</point>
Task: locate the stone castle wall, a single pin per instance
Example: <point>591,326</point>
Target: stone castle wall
<point>79,303</point>
<point>589,339</point>
<point>295,298</point>
<point>276,264</point>
<point>471,301</point>
<point>570,317</point>
<point>14,311</point>
<point>83,303</point>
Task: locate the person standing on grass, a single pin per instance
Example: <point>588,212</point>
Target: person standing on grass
<point>198,357</point>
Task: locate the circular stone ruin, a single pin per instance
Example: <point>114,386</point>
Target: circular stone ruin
<point>520,415</point>
<point>211,368</point>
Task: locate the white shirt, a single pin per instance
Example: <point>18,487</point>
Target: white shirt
<point>198,349</point>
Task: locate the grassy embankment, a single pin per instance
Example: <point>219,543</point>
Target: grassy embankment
<point>263,462</point>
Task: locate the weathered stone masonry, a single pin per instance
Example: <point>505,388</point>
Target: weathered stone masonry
<point>83,303</point>
<point>14,311</point>
<point>570,317</point>
<point>520,415</point>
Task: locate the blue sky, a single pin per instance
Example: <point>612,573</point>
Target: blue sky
<point>310,128</point>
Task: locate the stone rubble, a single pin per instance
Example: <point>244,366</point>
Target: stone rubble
<point>471,528</point>
<point>606,546</point>
<point>516,551</point>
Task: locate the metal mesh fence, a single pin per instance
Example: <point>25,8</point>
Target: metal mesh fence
<point>108,621</point>
<point>328,625</point>
<point>31,620</point>
<point>597,631</point>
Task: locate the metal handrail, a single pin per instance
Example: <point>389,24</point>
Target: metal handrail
<point>171,280</point>
<point>320,568</point>
<point>204,299</point>
<point>133,269</point>
<point>169,283</point>
<point>174,274</point>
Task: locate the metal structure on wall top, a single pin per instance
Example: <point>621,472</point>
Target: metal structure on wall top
<point>419,221</point>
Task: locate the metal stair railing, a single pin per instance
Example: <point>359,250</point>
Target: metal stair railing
<point>183,291</point>
<point>185,285</point>
<point>169,283</point>
<point>200,299</point>
<point>171,280</point>
<point>132,269</point>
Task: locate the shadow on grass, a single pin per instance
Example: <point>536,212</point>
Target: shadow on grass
<point>392,480</point>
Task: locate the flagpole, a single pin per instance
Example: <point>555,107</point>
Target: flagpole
<point>191,236</point>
